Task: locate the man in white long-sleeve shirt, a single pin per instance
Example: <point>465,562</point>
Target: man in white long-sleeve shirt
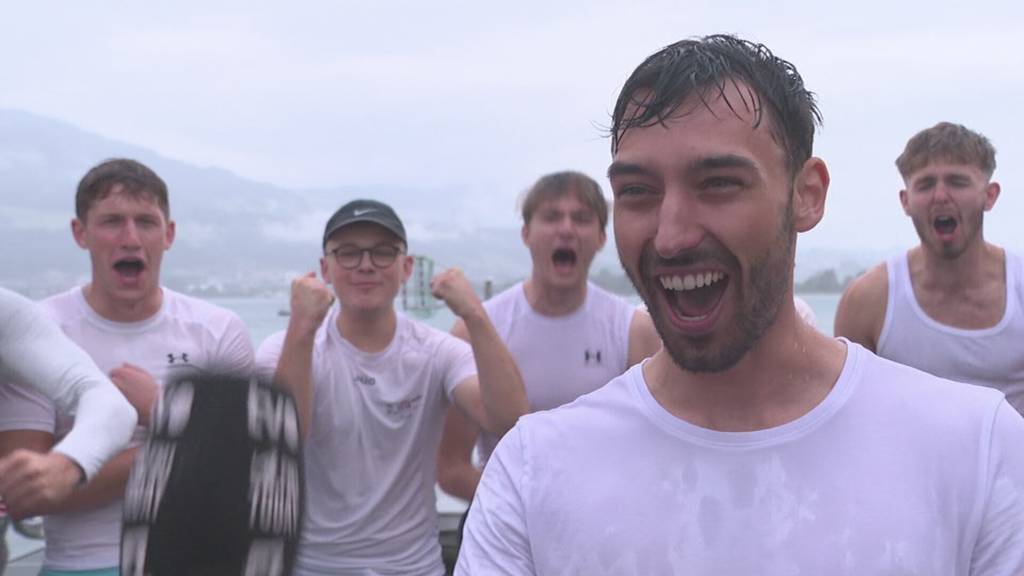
<point>35,353</point>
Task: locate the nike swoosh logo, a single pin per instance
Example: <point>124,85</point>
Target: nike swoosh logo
<point>366,211</point>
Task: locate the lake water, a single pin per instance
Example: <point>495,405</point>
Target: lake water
<point>263,315</point>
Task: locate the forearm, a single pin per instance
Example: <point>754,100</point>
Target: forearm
<point>501,385</point>
<point>104,423</point>
<point>295,370</point>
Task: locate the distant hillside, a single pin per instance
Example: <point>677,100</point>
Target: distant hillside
<point>239,236</point>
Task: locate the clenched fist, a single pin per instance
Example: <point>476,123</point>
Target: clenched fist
<point>31,482</point>
<point>452,287</point>
<point>138,386</point>
<point>310,302</point>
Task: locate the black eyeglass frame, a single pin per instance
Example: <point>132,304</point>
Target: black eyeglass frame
<point>379,259</point>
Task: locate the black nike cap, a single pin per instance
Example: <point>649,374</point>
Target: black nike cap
<point>365,211</point>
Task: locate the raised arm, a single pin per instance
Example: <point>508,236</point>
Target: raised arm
<point>310,301</point>
<point>861,311</point>
<point>497,399</point>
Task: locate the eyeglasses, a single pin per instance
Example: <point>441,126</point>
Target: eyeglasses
<point>349,256</point>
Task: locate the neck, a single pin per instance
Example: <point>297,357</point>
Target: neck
<point>977,266</point>
<point>368,330</point>
<point>789,371</point>
<point>551,300</point>
<point>123,310</point>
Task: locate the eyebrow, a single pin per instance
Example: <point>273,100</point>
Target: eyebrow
<point>705,163</point>
<point>722,161</point>
<point>626,169</point>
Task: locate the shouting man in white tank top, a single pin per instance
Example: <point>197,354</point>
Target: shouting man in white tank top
<point>568,336</point>
<point>954,305</point>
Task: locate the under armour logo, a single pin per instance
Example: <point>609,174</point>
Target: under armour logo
<point>588,356</point>
<point>171,358</point>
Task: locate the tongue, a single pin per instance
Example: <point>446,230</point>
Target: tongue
<point>945,226</point>
<point>699,302</point>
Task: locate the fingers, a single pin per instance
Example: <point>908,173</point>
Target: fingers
<point>311,299</point>
<point>29,480</point>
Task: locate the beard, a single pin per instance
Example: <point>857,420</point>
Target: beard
<point>758,293</point>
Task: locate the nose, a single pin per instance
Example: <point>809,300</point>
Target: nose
<point>130,234</point>
<point>566,226</point>
<point>678,226</point>
<point>365,262</point>
<point>942,194</point>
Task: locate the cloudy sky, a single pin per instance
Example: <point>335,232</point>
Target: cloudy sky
<point>477,97</point>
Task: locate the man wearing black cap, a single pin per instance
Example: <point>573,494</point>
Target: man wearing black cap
<point>372,388</point>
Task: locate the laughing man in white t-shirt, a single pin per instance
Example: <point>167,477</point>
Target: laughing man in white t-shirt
<point>752,443</point>
<point>134,329</point>
<point>372,388</point>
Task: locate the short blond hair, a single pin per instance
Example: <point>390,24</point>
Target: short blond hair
<point>947,141</point>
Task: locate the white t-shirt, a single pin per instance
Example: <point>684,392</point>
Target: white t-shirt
<point>895,472</point>
<point>186,334</point>
<point>371,455</point>
<point>561,357</point>
<point>36,354</point>
<point>991,356</point>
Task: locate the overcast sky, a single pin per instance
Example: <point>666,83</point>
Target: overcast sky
<point>481,97</point>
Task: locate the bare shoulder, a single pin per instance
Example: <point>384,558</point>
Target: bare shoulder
<point>861,310</point>
<point>643,337</point>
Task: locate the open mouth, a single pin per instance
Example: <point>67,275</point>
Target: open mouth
<point>944,225</point>
<point>564,258</point>
<point>695,296</point>
<point>129,268</point>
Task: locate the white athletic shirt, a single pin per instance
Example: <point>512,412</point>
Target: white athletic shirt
<point>561,357</point>
<point>36,354</point>
<point>185,334</point>
<point>991,357</point>
<point>894,472</point>
<point>371,454</point>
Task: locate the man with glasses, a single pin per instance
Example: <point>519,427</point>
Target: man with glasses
<point>372,388</point>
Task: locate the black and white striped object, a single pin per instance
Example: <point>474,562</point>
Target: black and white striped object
<point>217,489</point>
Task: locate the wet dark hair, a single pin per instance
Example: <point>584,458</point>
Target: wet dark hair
<point>558,184</point>
<point>134,178</point>
<point>947,141</point>
<point>704,68</point>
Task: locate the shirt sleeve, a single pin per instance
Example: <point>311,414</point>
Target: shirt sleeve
<point>267,356</point>
<point>999,550</point>
<point>495,540</point>
<point>36,354</point>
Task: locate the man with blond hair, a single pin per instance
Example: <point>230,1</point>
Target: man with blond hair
<point>953,305</point>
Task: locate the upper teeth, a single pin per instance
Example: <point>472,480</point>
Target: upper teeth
<point>691,281</point>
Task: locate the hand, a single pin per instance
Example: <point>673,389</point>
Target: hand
<point>311,300</point>
<point>452,287</point>
<point>139,387</point>
<point>31,483</point>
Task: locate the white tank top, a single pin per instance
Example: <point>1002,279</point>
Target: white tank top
<point>991,357</point>
<point>561,357</point>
